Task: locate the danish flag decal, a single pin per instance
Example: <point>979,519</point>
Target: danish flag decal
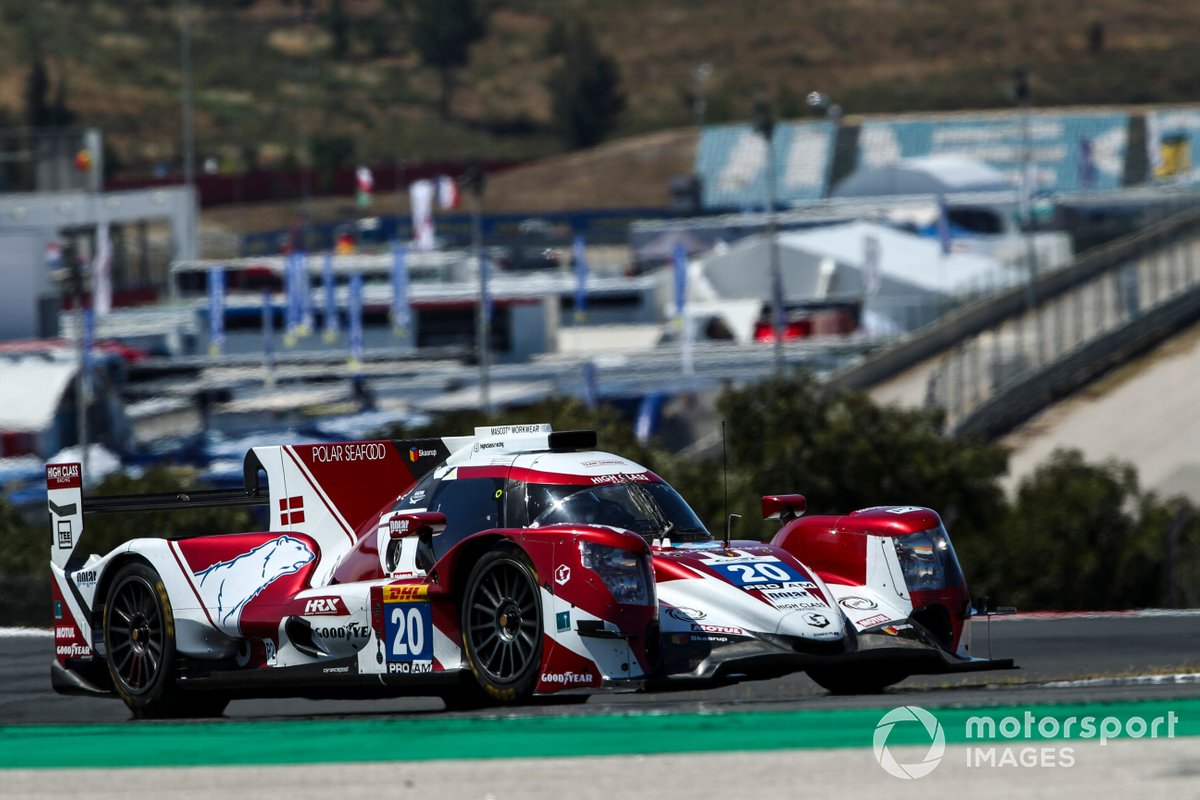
<point>291,510</point>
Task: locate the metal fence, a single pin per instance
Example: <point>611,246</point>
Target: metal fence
<point>1061,331</point>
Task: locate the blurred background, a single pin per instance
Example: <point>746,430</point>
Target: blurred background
<point>902,251</point>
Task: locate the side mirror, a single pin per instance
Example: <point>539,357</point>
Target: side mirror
<point>986,607</point>
<point>784,507</point>
<point>402,525</point>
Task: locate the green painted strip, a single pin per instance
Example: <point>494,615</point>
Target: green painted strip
<point>409,739</point>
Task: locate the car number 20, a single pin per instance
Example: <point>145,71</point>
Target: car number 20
<point>759,572</point>
<point>409,631</point>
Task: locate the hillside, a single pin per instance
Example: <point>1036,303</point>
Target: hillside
<point>269,89</point>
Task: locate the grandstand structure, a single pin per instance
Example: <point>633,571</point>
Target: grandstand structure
<point>1046,151</point>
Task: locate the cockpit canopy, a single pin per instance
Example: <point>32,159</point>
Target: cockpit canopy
<point>650,509</point>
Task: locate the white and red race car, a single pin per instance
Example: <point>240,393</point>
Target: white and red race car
<point>513,563</point>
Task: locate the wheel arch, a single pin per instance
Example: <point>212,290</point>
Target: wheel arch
<point>464,557</point>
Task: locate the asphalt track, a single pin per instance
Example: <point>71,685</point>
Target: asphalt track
<point>1078,659</point>
<point>783,738</point>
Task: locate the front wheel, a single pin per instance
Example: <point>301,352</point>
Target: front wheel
<point>856,679</point>
<point>139,633</point>
<point>502,624</point>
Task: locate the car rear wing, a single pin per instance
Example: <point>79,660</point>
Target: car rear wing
<point>68,506</point>
<point>325,490</point>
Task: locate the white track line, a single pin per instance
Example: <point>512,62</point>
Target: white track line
<point>1056,615</point>
<point>1178,679</point>
<point>25,633</point>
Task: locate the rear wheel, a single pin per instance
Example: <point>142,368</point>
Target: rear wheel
<point>139,633</point>
<point>502,624</point>
<point>856,679</point>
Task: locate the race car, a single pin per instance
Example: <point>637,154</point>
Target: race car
<point>515,563</point>
<point>893,572</point>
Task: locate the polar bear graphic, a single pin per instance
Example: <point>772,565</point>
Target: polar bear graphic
<point>228,585</point>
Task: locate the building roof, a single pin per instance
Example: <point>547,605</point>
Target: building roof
<point>32,387</point>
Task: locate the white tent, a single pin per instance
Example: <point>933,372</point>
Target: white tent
<point>939,174</point>
<point>909,283</point>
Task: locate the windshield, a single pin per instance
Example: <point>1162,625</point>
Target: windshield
<point>928,561</point>
<point>648,509</point>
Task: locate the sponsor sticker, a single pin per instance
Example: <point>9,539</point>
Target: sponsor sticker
<point>562,574</point>
<point>569,678</point>
<point>816,620</point>
<point>348,452</point>
<point>66,538</point>
<point>684,614</point>
<point>725,629</point>
<point>325,607</point>
<point>405,593</point>
<point>85,578</point>
<point>878,619</point>
<point>859,603</point>
<point>353,633</point>
<point>415,453</point>
<point>63,476</point>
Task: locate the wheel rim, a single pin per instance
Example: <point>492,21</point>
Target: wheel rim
<point>502,623</point>
<point>136,639</point>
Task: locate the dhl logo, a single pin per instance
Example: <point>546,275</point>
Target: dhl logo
<point>405,593</point>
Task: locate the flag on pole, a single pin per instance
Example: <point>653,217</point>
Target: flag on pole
<point>304,283</point>
<point>356,320</point>
<point>401,311</point>
<point>89,343</point>
<point>1087,163</point>
<point>485,288</point>
<point>291,311</point>
<point>331,312</point>
<point>1154,150</point>
<point>364,182</point>
<point>268,335</point>
<point>216,310</point>
<point>102,271</point>
<point>943,225</point>
<point>590,395</point>
<point>447,192</point>
<point>579,256</point>
<point>420,196</point>
<point>680,262</point>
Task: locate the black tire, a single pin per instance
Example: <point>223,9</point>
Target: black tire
<point>856,679</point>
<point>139,633</point>
<point>502,625</point>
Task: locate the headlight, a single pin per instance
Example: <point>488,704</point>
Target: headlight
<point>626,574</point>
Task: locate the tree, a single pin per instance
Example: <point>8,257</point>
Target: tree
<point>37,90</point>
<point>585,94</point>
<point>338,23</point>
<point>40,110</point>
<point>844,452</point>
<point>1084,536</point>
<point>442,33</point>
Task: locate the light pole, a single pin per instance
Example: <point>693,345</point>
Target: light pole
<point>701,75</point>
<point>474,181</point>
<point>1020,96</point>
<point>765,125</point>
<point>189,143</point>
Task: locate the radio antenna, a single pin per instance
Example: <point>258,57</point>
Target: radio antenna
<point>725,483</point>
